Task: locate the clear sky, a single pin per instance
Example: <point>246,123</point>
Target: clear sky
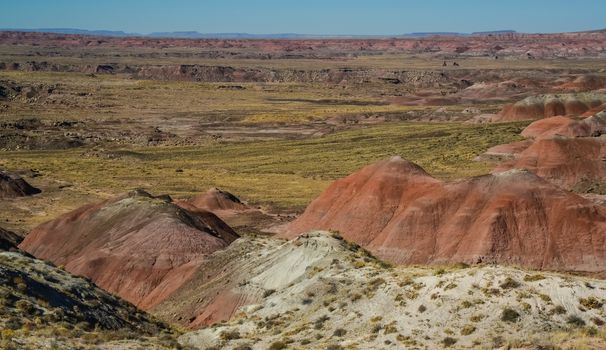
<point>373,17</point>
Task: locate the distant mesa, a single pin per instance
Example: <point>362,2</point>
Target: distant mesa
<point>13,185</point>
<point>402,214</point>
<point>137,246</point>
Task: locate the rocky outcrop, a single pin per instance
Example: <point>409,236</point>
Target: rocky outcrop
<point>9,241</point>
<point>12,185</point>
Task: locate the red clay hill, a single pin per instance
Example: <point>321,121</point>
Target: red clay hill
<point>137,246</point>
<point>569,152</point>
<point>402,214</point>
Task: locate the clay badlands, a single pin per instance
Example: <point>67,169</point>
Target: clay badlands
<point>398,193</point>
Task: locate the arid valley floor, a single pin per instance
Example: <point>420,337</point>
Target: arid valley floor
<point>397,193</point>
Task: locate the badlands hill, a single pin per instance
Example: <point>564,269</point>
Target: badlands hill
<point>137,246</point>
<point>321,292</point>
<point>402,214</point>
<point>568,152</point>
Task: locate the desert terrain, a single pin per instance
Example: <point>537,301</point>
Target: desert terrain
<point>347,193</point>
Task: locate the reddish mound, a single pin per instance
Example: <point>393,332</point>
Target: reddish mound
<point>216,201</point>
<point>563,161</point>
<point>545,106</point>
<point>564,126</point>
<point>504,152</point>
<point>558,125</point>
<point>584,83</point>
<point>404,215</point>
<point>12,185</point>
<point>131,245</point>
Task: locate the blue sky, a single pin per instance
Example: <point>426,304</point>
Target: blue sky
<point>373,17</point>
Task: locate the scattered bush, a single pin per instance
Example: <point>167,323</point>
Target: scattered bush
<point>339,332</point>
<point>576,321</point>
<point>597,321</point>
<point>278,345</point>
<point>230,335</point>
<point>590,303</point>
<point>546,298</point>
<point>468,329</point>
<point>268,292</point>
<point>559,310</point>
<point>533,278</point>
<point>422,308</point>
<point>509,283</point>
<point>448,342</point>
<point>509,315</point>
<point>466,304</point>
<point>476,318</point>
<point>389,329</point>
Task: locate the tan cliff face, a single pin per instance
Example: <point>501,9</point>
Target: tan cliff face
<point>402,214</point>
<point>136,246</point>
